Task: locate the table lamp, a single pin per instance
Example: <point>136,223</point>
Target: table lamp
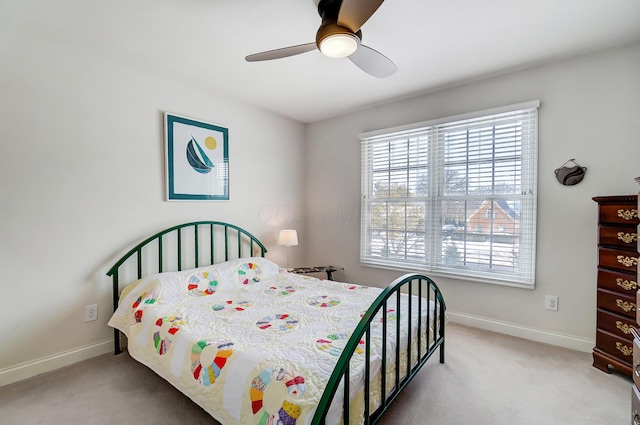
<point>288,238</point>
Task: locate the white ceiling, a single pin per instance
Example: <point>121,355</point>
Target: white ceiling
<point>434,43</point>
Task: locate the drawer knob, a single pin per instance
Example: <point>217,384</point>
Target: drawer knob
<point>627,351</point>
<point>624,327</point>
<point>628,214</point>
<point>627,261</point>
<point>626,284</point>
<point>626,305</point>
<point>627,237</point>
<point>636,369</point>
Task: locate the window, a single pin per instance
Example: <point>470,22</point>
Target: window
<point>455,196</point>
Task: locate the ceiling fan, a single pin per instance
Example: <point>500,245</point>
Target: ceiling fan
<point>340,36</point>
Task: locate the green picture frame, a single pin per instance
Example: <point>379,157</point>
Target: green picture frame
<point>197,159</point>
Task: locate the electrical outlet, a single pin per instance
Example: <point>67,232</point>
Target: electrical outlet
<point>551,302</point>
<point>91,312</point>
<point>342,271</point>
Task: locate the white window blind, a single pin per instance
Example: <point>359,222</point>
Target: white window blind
<point>455,196</point>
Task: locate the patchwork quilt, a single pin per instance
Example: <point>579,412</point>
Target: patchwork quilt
<point>250,342</point>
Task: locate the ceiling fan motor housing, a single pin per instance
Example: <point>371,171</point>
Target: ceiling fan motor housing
<point>329,10</point>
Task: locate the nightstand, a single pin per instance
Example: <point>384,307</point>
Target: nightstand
<point>316,269</point>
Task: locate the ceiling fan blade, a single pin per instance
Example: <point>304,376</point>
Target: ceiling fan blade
<point>354,13</point>
<point>281,53</point>
<point>373,62</point>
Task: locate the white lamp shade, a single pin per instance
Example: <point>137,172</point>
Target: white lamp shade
<point>288,238</point>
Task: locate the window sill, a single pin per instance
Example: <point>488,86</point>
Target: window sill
<point>457,276</point>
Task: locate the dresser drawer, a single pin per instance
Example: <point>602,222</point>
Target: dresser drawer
<point>618,303</point>
<point>620,348</point>
<point>625,237</point>
<point>618,281</point>
<point>619,213</point>
<point>617,259</point>
<point>616,324</point>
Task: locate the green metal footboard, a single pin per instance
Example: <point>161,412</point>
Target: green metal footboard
<point>195,239</point>
<point>427,291</point>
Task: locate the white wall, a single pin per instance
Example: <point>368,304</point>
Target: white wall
<point>81,180</point>
<point>589,111</point>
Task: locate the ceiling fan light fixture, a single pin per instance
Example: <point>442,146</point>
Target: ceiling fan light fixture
<point>340,36</point>
<point>339,45</point>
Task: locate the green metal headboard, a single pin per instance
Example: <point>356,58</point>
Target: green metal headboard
<point>237,243</point>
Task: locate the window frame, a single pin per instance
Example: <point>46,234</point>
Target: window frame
<point>433,261</point>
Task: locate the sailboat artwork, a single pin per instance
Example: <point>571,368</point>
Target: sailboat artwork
<point>199,160</point>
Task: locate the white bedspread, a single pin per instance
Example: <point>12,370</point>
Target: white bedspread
<point>247,341</point>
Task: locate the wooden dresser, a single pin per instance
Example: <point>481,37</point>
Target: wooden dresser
<point>635,388</point>
<point>617,282</point>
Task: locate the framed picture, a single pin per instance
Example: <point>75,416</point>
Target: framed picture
<point>197,159</point>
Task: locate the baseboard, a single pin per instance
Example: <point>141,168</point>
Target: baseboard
<point>47,364</point>
<point>567,341</point>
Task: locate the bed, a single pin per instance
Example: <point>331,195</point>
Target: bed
<point>251,343</point>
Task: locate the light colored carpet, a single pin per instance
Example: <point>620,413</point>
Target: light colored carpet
<point>488,379</point>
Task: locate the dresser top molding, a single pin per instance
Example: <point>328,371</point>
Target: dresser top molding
<point>615,199</point>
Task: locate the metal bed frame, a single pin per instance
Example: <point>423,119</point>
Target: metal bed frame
<point>196,244</point>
